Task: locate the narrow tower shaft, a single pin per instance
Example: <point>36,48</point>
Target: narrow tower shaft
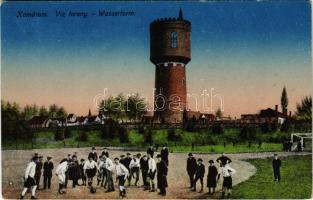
<point>170,52</point>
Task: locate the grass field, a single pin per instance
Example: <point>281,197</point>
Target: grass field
<point>296,180</point>
<point>203,141</point>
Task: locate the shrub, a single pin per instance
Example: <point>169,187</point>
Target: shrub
<point>83,136</point>
<point>248,132</point>
<point>173,136</point>
<point>217,128</point>
<point>67,133</point>
<point>148,137</point>
<point>58,135</point>
<point>123,135</point>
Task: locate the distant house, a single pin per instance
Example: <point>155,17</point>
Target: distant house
<point>272,116</point>
<point>94,120</point>
<point>249,118</point>
<point>71,120</point>
<point>198,116</point>
<point>57,122</point>
<point>268,115</point>
<point>82,120</point>
<point>39,122</point>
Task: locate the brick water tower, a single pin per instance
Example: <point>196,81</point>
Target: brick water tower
<point>170,53</point>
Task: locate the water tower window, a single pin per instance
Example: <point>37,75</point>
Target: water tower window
<point>174,40</point>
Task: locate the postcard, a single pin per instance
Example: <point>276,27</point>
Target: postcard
<point>156,99</point>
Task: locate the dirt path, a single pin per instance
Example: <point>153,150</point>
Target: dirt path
<point>13,169</point>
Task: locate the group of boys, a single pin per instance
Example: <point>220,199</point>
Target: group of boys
<point>196,171</point>
<point>33,174</point>
<point>125,168</point>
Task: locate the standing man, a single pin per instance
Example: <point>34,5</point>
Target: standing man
<point>93,154</point>
<point>74,171</point>
<point>200,170</point>
<point>126,163</point>
<point>164,154</point>
<point>144,167</point>
<point>39,166</point>
<point>161,175</point>
<point>276,163</point>
<point>191,168</point>
<point>47,173</point>
<point>150,151</point>
<point>151,173</point>
<point>227,172</point>
<point>212,173</point>
<point>29,178</point>
<point>121,175</point>
<point>134,167</point>
<point>223,160</point>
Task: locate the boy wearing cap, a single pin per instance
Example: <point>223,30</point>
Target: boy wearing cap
<point>212,173</point>
<point>29,178</point>
<point>161,175</point>
<point>151,173</point>
<point>200,170</point>
<point>47,172</point>
<point>39,165</point>
<point>93,154</point>
<point>121,175</point>
<point>191,168</point>
<point>144,167</point>
<point>134,167</point>
<point>61,174</point>
<point>126,163</point>
<point>226,172</point>
<point>276,164</point>
<point>82,173</point>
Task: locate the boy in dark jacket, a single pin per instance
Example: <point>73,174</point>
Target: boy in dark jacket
<point>81,167</point>
<point>191,168</point>
<point>200,170</point>
<point>276,163</point>
<point>144,167</point>
<point>212,174</point>
<point>161,175</point>
<point>47,173</point>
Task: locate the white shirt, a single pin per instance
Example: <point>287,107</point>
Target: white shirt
<point>30,170</point>
<point>152,164</point>
<point>227,171</point>
<point>121,170</point>
<point>135,162</point>
<point>90,165</point>
<point>101,164</point>
<point>109,164</point>
<point>61,169</point>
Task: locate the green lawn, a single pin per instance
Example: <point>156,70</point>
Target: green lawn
<point>296,180</point>
<point>204,141</point>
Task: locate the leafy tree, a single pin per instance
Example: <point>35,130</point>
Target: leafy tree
<point>284,100</point>
<point>29,111</point>
<point>43,111</point>
<point>53,109</point>
<point>304,109</point>
<point>61,112</point>
<point>219,113</point>
<point>136,107</point>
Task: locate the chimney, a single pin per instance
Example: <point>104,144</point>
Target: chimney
<point>276,108</point>
<point>290,114</point>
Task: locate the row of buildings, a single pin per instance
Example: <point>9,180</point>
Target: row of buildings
<point>268,115</point>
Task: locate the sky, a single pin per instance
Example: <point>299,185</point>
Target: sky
<point>245,52</point>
